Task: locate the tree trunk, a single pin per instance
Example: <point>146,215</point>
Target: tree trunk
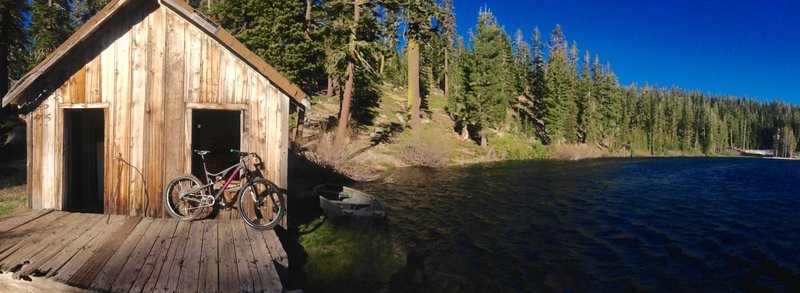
<point>301,118</point>
<point>413,84</point>
<point>484,140</point>
<point>446,81</point>
<point>329,92</point>
<point>337,87</point>
<point>4,66</point>
<point>383,60</point>
<point>344,114</point>
<point>308,17</point>
<point>431,84</point>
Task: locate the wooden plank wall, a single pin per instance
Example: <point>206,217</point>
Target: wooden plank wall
<point>144,67</point>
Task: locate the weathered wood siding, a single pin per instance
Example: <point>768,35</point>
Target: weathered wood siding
<point>148,68</point>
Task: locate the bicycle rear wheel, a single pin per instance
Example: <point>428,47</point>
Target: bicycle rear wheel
<point>182,197</point>
<point>261,204</point>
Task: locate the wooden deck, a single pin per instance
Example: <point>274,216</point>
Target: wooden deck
<point>136,254</point>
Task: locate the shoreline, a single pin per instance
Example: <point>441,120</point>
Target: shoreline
<point>553,159</point>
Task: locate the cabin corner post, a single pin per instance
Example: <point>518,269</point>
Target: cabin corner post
<point>29,157</point>
<point>284,155</point>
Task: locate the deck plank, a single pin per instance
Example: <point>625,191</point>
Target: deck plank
<point>9,241</point>
<point>14,220</point>
<point>142,254</point>
<point>228,275</point>
<point>249,279</point>
<point>276,249</point>
<point>209,260</point>
<point>245,257</point>
<point>191,259</point>
<point>57,263</point>
<point>13,257</point>
<point>110,271</point>
<point>155,259</point>
<point>57,245</point>
<point>91,258</point>
<point>264,261</point>
<point>168,279</point>
<point>136,259</point>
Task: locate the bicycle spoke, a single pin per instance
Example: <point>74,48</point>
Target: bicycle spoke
<point>183,197</point>
<point>262,204</point>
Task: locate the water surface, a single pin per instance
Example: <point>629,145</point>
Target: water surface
<point>671,224</point>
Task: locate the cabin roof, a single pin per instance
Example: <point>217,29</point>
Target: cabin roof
<point>17,92</point>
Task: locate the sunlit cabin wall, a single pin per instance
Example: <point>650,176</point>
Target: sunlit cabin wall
<point>147,68</point>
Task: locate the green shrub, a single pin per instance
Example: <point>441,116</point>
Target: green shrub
<point>512,147</point>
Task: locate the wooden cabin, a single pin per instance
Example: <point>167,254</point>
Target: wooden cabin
<point>136,89</point>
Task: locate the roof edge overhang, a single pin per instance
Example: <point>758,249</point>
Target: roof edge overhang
<point>183,9</point>
<point>16,92</point>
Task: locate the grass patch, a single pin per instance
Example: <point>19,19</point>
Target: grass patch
<point>342,259</point>
<point>436,101</point>
<point>512,147</point>
<point>12,199</point>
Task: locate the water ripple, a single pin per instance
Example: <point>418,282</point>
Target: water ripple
<point>703,225</point>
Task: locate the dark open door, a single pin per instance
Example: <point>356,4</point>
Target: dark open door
<point>83,160</point>
<point>217,131</point>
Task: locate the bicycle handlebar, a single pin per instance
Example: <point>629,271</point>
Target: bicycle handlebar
<point>259,164</point>
<point>235,151</point>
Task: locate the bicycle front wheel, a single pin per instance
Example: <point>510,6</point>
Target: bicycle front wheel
<point>261,204</point>
<point>182,197</point>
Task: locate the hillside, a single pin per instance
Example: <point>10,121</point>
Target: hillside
<point>384,141</point>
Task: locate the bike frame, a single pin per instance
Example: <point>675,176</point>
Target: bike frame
<point>210,183</point>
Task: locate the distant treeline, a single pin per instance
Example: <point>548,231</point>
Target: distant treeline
<point>547,91</point>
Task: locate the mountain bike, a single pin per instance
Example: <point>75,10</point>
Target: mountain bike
<point>261,203</point>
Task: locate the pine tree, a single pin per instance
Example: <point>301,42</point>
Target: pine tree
<point>589,121</point>
<point>538,88</point>
<point>455,70</point>
<point>344,113</point>
<point>448,21</point>
<point>558,105</point>
<point>463,104</point>
<point>85,9</point>
<point>524,78</point>
<point>417,15</point>
<point>275,31</point>
<point>490,75</point>
<point>609,100</point>
<point>686,125</point>
<point>50,26</point>
<point>12,45</point>
<point>389,27</point>
<point>333,34</point>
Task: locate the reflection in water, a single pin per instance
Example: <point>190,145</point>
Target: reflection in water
<point>684,224</point>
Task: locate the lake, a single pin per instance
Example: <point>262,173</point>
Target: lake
<point>660,224</point>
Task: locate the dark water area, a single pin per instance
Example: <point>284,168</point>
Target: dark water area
<point>665,224</point>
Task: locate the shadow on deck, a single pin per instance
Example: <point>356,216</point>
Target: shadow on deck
<point>133,254</point>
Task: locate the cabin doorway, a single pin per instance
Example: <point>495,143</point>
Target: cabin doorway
<point>217,131</point>
<point>83,160</point>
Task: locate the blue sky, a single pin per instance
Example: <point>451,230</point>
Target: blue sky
<point>749,48</point>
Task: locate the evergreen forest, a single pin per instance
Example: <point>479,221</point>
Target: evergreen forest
<point>537,85</point>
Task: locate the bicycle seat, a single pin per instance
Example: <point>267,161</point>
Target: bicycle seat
<point>202,152</point>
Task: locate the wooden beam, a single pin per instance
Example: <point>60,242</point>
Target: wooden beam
<point>218,106</point>
<point>84,106</point>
